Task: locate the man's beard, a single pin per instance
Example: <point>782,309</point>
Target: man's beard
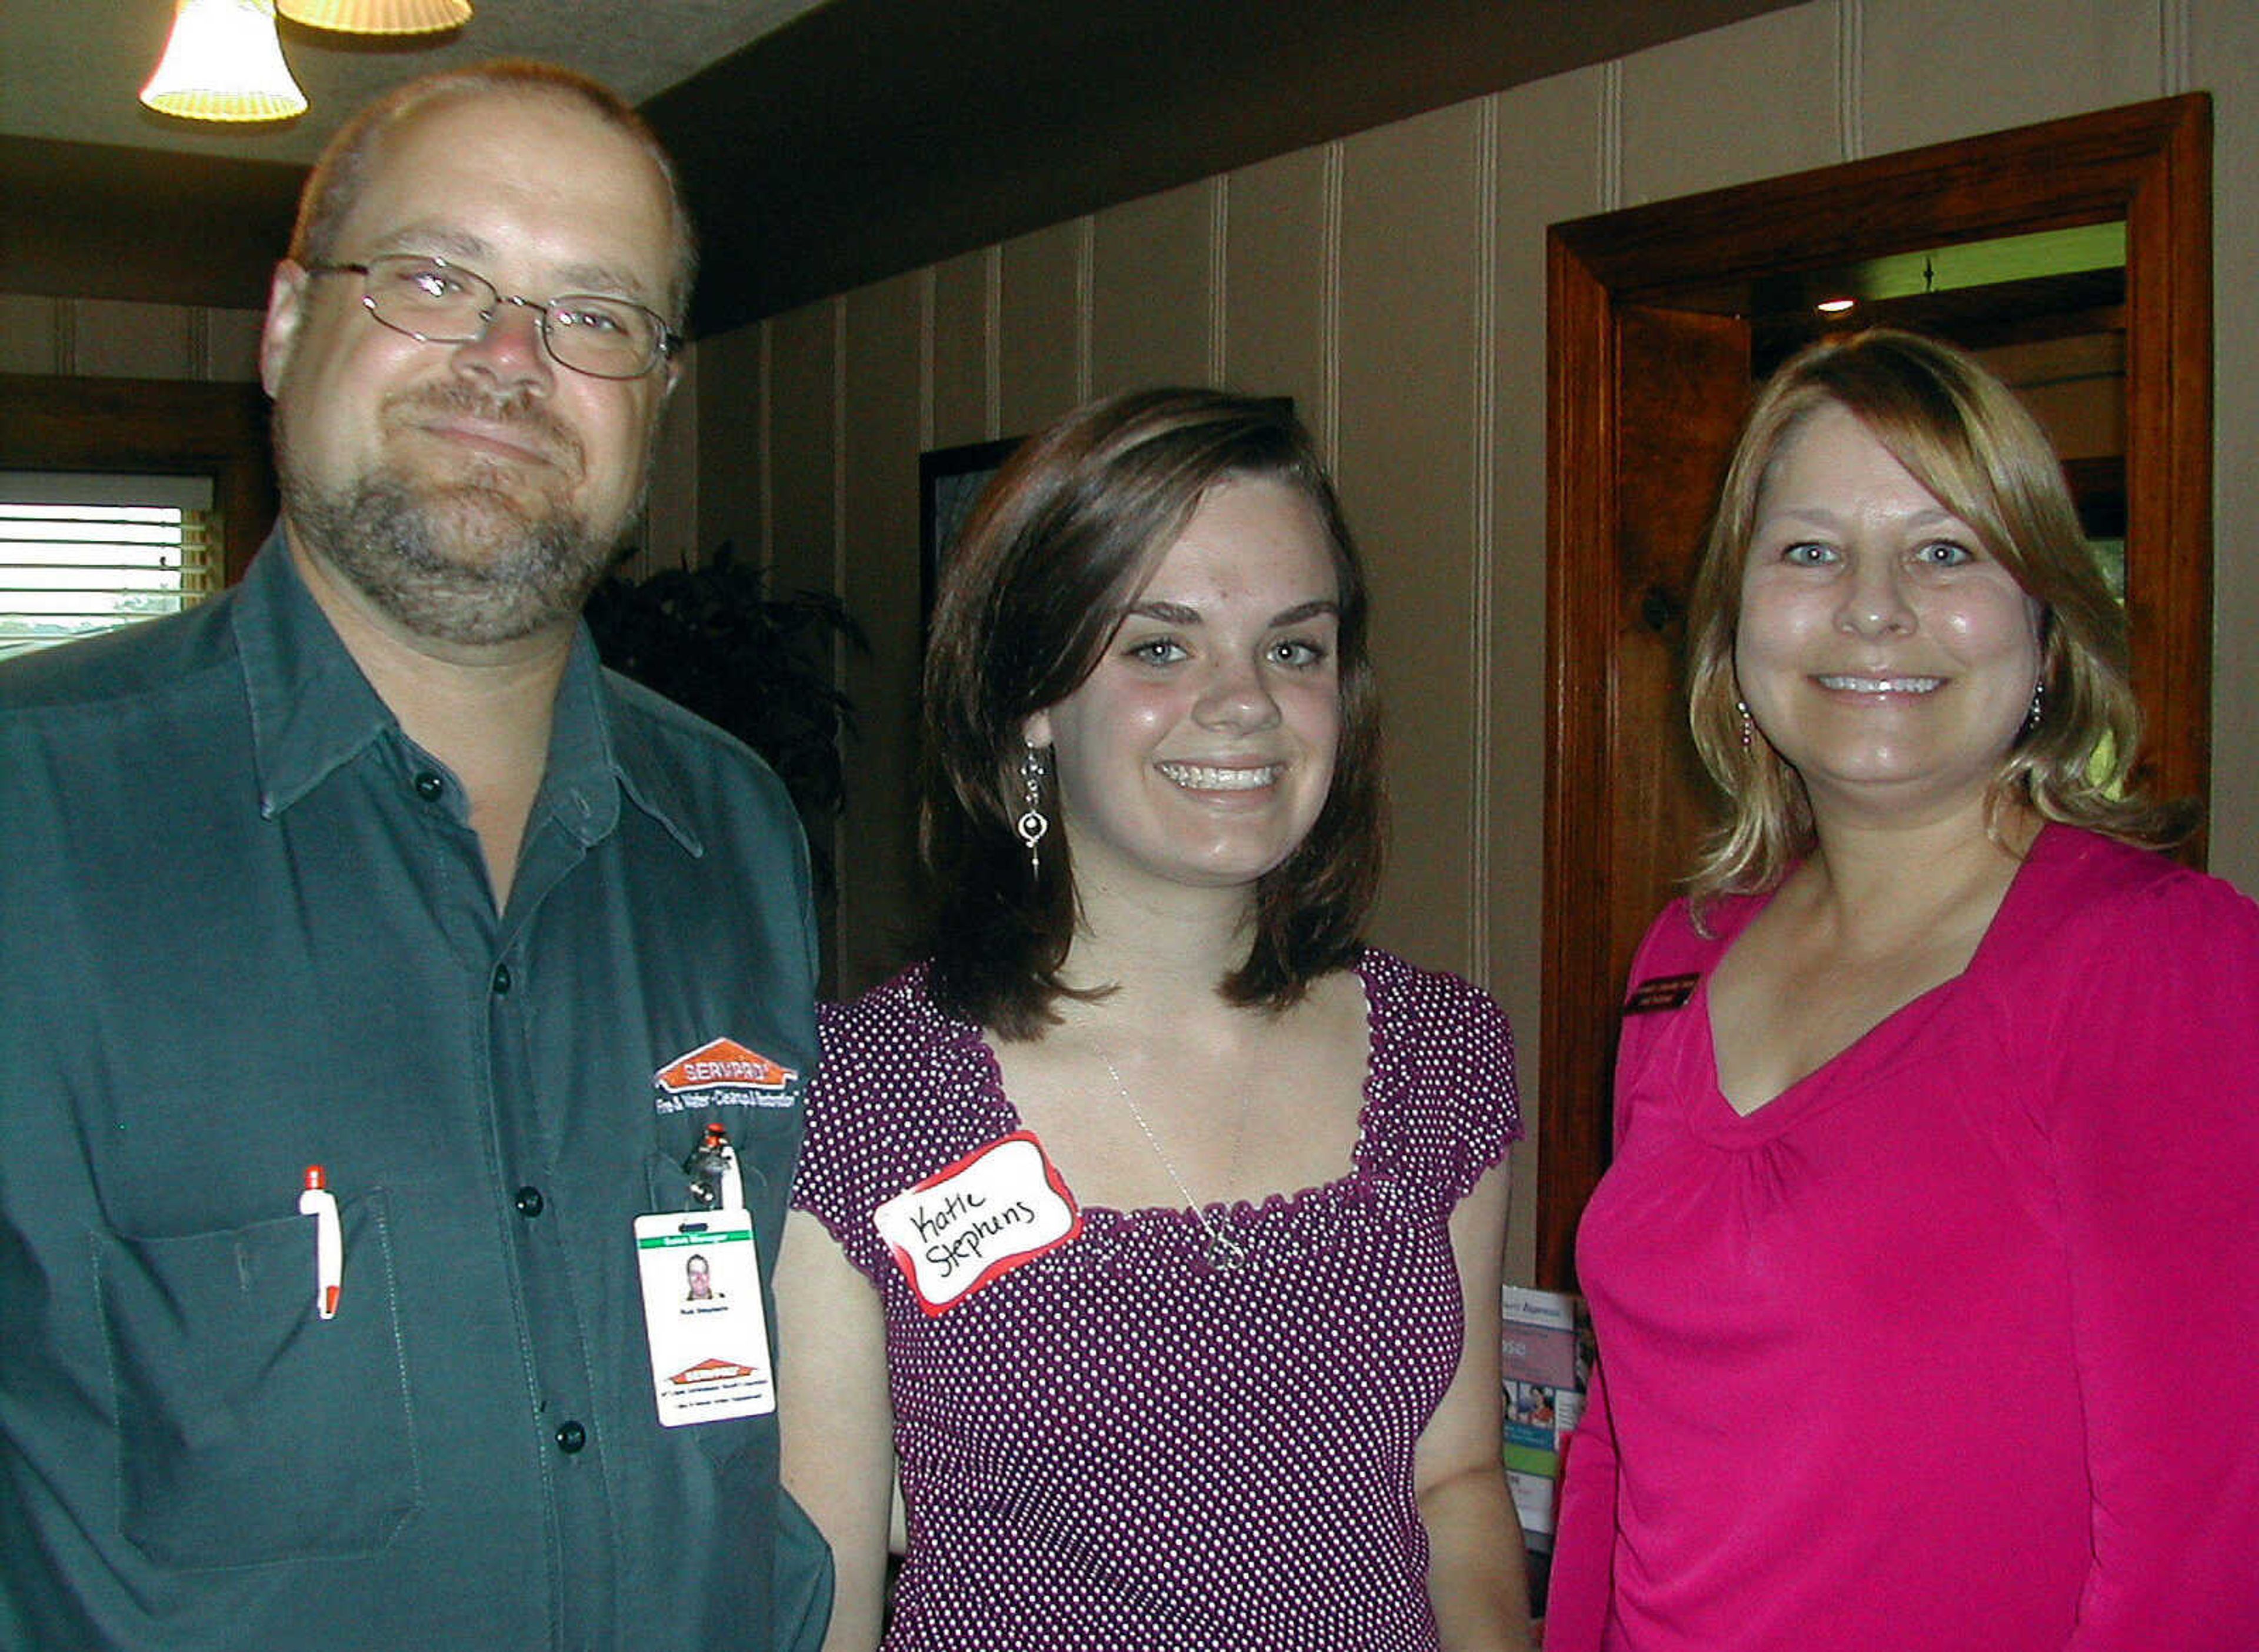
<point>468,559</point>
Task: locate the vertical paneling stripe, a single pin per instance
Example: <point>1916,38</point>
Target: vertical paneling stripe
<point>840,938</point>
<point>1328,428</point>
<point>992,353</point>
<point>767,391</point>
<point>838,445</point>
<point>1086,305</point>
<point>1611,135</point>
<point>929,327</point>
<point>1850,78</point>
<point>1219,277</point>
<point>1483,476</point>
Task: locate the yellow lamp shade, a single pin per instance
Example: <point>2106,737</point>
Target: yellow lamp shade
<point>377,17</point>
<point>224,62</point>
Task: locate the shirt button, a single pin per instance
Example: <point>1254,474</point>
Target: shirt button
<point>501,979</point>
<point>429,786</point>
<point>530,1201</point>
<point>570,1437</point>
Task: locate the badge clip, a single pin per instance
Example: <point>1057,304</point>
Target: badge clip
<point>715,1181</point>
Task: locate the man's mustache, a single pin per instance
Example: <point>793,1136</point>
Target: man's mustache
<point>520,411</point>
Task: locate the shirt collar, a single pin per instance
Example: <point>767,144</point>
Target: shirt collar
<point>580,787</point>
<point>312,711</point>
<point>650,773</point>
<point>595,754</point>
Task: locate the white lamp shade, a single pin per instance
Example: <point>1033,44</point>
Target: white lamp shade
<point>377,17</point>
<point>224,62</point>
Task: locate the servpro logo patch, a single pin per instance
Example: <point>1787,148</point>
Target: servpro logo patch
<point>710,1371</point>
<point>721,1072</point>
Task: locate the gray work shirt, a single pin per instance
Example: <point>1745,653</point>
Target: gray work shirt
<point>246,928</point>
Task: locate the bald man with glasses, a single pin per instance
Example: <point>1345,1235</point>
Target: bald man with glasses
<point>393,997</point>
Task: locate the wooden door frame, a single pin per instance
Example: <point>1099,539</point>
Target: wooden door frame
<point>2148,164</point>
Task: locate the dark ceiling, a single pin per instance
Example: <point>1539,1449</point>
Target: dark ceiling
<point>873,136</point>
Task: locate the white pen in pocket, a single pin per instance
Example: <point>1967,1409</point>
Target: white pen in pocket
<point>321,1204</point>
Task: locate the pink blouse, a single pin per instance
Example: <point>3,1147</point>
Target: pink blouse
<point>1955,1344</point>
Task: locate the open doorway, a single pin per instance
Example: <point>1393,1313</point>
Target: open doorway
<point>1662,319</point>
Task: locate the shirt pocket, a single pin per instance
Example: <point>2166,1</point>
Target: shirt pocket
<point>250,1429</point>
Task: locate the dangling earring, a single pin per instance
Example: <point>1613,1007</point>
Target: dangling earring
<point>1749,728</point>
<point>2038,705</point>
<point>1032,824</point>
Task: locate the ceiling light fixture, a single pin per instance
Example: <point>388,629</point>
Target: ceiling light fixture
<point>224,62</point>
<point>1835,306</point>
<point>377,17</point>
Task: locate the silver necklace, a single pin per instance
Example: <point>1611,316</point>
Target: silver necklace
<point>1225,1251</point>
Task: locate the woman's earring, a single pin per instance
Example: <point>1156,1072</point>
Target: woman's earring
<point>1032,823</point>
<point>1749,727</point>
<point>2038,705</point>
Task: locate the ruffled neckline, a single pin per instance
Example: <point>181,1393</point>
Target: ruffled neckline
<point>1279,1224</point>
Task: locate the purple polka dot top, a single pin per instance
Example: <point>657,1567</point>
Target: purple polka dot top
<point>1119,1446</point>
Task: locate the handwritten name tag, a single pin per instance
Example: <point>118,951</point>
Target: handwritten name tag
<point>964,1227</point>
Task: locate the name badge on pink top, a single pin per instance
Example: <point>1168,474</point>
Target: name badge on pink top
<point>967,1226</point>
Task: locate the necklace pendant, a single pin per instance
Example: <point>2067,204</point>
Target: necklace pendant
<point>1226,1251</point>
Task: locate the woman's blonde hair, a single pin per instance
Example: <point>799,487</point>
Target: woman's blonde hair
<point>1965,437</point>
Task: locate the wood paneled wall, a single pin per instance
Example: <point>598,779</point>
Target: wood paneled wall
<point>1392,284</point>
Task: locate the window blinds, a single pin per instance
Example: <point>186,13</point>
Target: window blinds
<point>81,553</point>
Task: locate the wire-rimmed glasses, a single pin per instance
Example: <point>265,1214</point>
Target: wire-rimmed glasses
<point>436,302</point>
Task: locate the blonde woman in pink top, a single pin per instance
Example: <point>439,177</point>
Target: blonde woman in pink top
<point>1927,1274</point>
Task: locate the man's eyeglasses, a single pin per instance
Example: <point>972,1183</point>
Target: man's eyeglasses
<point>435,301</point>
